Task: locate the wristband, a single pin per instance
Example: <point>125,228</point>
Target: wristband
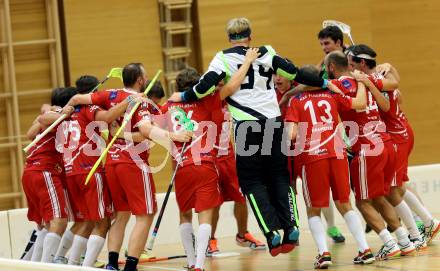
<point>182,96</point>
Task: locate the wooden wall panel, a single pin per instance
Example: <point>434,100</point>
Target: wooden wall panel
<point>402,33</point>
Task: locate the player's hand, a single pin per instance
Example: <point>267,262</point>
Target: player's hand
<point>44,108</point>
<point>184,136</point>
<point>114,126</point>
<point>360,76</point>
<point>334,88</point>
<point>384,68</point>
<point>68,110</point>
<point>175,97</point>
<point>251,55</point>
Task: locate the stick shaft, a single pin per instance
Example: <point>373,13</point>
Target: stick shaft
<point>164,204</point>
<point>45,132</point>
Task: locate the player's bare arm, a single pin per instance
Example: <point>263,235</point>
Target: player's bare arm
<point>152,132</point>
<point>131,136</point>
<point>360,101</point>
<point>33,131</point>
<point>234,83</point>
<point>116,111</point>
<point>292,128</point>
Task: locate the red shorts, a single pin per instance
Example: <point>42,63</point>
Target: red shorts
<point>45,194</point>
<point>371,176</point>
<point>131,188</point>
<point>89,202</point>
<point>197,187</point>
<point>319,176</point>
<point>228,180</point>
<point>409,148</point>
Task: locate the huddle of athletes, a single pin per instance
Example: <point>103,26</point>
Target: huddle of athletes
<point>238,89</point>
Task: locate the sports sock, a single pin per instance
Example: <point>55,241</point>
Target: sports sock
<point>202,244</point>
<point>78,248</point>
<point>402,236</point>
<point>386,237</point>
<point>187,235</point>
<point>38,246</point>
<point>404,213</point>
<point>50,247</point>
<point>113,258</point>
<point>131,263</point>
<point>94,247</point>
<point>415,205</point>
<point>65,244</point>
<point>354,225</point>
<point>318,233</point>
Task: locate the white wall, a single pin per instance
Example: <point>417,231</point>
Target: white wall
<point>15,230</point>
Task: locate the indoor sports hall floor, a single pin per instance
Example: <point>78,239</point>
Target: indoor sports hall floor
<point>301,258</point>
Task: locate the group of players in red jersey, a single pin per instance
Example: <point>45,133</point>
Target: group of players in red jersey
<point>379,139</point>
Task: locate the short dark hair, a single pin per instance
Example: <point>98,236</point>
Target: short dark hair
<point>61,96</point>
<point>156,91</point>
<point>310,69</point>
<point>363,49</point>
<point>85,83</point>
<point>131,73</point>
<point>332,32</point>
<point>338,59</point>
<point>187,78</point>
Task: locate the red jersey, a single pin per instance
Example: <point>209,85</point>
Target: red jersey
<point>124,151</point>
<point>316,113</point>
<point>44,156</point>
<point>395,126</point>
<point>205,115</point>
<point>224,144</point>
<point>80,137</point>
<point>371,127</point>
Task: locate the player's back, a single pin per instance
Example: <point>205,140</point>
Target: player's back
<point>370,125</point>
<point>44,155</point>
<point>316,113</point>
<point>204,115</point>
<point>256,95</point>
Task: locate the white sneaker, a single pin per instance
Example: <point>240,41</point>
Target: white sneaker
<point>420,243</point>
<point>407,249</point>
<point>60,260</point>
<point>388,251</point>
<point>432,230</point>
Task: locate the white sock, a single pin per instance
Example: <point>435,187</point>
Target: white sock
<point>402,236</point>
<point>50,247</point>
<point>404,213</point>
<point>329,214</point>
<point>28,255</point>
<point>38,246</point>
<point>386,237</point>
<point>415,205</point>
<point>355,226</point>
<point>187,235</point>
<point>94,247</point>
<point>318,233</point>
<point>202,244</point>
<point>65,244</point>
<point>78,248</point>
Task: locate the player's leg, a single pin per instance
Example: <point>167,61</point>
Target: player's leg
<point>55,214</point>
<point>332,230</point>
<point>188,238</point>
<point>203,235</point>
<point>212,246</point>
<point>99,211</point>
<point>278,185</point>
<point>121,217</point>
<point>39,242</point>
<point>340,187</point>
<point>316,193</point>
<point>79,244</point>
<point>140,190</point>
<point>366,189</point>
<point>66,243</point>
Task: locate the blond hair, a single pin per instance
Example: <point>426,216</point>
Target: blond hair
<point>237,25</point>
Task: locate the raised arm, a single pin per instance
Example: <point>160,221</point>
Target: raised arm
<point>382,101</point>
<point>33,131</point>
<point>360,101</point>
<point>80,99</point>
<point>234,83</point>
<point>116,111</point>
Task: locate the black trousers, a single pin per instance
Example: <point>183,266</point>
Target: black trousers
<point>263,174</point>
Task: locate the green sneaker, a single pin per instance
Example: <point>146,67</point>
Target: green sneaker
<point>420,226</point>
<point>335,234</point>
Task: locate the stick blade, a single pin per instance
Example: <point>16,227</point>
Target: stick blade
<point>345,28</point>
<point>226,254</point>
